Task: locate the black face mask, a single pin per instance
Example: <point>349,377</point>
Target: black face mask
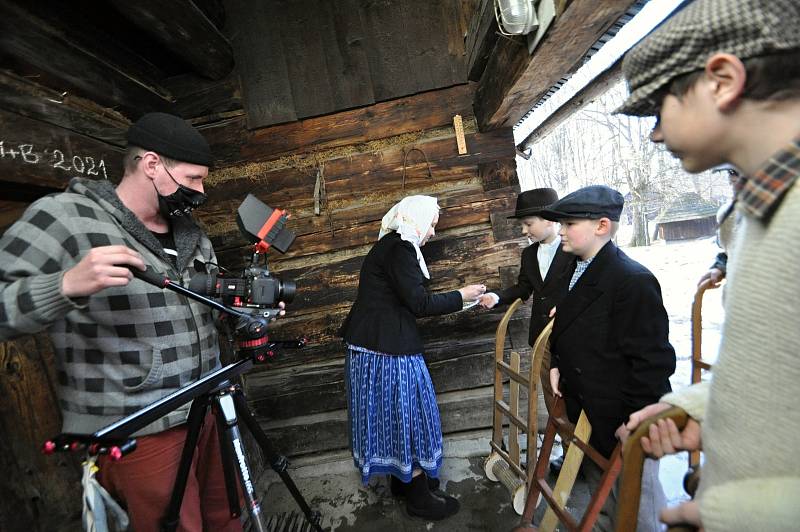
<point>181,202</point>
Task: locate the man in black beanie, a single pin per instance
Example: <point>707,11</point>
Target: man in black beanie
<point>121,343</point>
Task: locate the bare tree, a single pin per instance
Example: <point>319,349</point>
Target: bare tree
<point>595,146</point>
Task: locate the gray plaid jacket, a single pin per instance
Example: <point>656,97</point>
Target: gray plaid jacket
<point>124,347</point>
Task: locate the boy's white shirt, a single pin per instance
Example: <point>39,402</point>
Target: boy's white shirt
<point>544,255</point>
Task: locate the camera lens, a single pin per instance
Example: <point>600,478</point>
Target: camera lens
<point>286,291</point>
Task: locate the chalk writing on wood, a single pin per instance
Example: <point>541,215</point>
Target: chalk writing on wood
<point>28,154</point>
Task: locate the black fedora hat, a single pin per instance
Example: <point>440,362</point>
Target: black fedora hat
<point>531,202</point>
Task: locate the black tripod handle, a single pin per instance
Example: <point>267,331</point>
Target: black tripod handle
<point>149,275</point>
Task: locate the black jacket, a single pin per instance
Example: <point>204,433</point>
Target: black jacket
<point>610,343</point>
<point>547,293</point>
<point>391,296</point>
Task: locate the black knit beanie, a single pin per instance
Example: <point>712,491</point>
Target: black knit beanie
<point>172,137</point>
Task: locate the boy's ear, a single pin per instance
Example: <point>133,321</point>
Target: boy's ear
<point>603,226</point>
<point>728,77</point>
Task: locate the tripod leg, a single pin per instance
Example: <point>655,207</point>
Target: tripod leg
<point>279,463</point>
<point>227,416</point>
<point>228,457</point>
<point>194,423</point>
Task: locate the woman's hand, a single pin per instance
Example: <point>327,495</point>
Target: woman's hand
<point>471,292</point>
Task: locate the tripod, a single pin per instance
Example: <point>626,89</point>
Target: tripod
<point>215,390</point>
<point>228,403</point>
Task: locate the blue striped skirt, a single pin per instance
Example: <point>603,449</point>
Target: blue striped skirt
<point>394,419</point>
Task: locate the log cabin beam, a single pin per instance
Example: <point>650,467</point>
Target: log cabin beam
<point>24,97</point>
<point>185,30</point>
<point>514,80</point>
<point>480,40</point>
<point>104,73</point>
<point>231,141</point>
<point>42,155</point>
<point>582,98</point>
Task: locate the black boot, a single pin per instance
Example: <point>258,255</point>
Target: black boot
<point>400,489</point>
<point>423,503</point>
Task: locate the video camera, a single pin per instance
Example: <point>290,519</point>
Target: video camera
<point>249,302</point>
<point>266,228</point>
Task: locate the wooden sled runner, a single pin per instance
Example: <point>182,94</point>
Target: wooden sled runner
<point>504,464</point>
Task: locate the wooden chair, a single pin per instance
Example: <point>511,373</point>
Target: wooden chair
<point>557,496</point>
<point>504,464</point>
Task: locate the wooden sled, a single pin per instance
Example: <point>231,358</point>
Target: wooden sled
<point>556,497</point>
<point>504,464</point>
<point>698,362</point>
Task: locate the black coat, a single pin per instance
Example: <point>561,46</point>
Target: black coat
<point>610,343</point>
<point>391,296</point>
<point>547,293</point>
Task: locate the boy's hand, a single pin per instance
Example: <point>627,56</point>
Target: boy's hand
<point>664,438</point>
<point>715,275</point>
<point>687,513</point>
<point>635,419</point>
<point>555,377</point>
<point>552,312</point>
<point>488,300</point>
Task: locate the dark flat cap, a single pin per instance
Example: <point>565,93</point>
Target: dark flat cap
<point>531,202</point>
<point>592,203</point>
<point>682,44</point>
<point>170,136</point>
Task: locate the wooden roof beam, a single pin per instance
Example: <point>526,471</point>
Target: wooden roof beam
<point>104,73</point>
<point>514,80</point>
<point>185,30</point>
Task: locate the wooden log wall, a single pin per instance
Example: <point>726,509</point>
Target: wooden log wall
<point>299,396</point>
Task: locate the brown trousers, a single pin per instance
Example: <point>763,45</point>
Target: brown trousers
<point>142,482</point>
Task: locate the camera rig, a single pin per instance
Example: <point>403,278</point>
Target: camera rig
<point>253,300</point>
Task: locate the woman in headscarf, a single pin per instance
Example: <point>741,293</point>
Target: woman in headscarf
<point>394,418</point>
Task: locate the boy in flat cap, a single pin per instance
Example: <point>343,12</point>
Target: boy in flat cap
<point>610,353</point>
<point>544,272</point>
<point>121,343</point>
<point>723,79</point>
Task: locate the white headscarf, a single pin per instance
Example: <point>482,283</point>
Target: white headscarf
<point>411,218</point>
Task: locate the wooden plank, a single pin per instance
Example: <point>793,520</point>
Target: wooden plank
<point>428,48</point>
<point>202,101</point>
<point>346,55</point>
<point>232,143</point>
<point>513,81</point>
<point>499,174</point>
<point>459,411</point>
<point>376,171</point>
<point>389,37</point>
<point>302,23</point>
<point>455,19</point>
<point>184,30</point>
<point>321,240</point>
<point>582,98</point>
<point>481,38</point>
<point>261,63</point>
<point>43,155</point>
<point>37,492</point>
<point>103,73</point>
<point>23,96</point>
<point>10,211</point>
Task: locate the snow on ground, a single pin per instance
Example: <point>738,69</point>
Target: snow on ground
<point>678,266</point>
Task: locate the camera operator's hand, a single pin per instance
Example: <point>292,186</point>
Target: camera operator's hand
<point>282,313</point>
<point>471,292</point>
<point>101,268</point>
